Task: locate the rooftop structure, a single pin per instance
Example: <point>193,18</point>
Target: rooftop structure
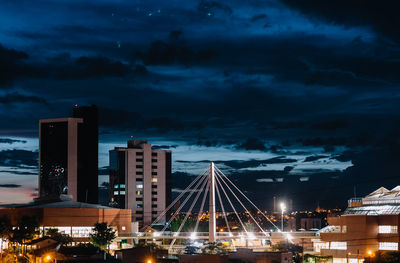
<point>368,227</point>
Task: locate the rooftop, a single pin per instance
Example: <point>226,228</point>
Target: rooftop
<point>380,202</point>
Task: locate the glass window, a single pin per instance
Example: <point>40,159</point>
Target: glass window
<point>81,231</point>
<point>139,186</point>
<point>122,192</point>
<point>139,166</point>
<point>115,186</point>
<point>153,199</point>
<point>387,229</point>
<point>123,228</point>
<point>154,180</point>
<point>139,205</point>
<point>139,173</point>
<point>154,167</point>
<point>344,229</point>
<point>339,245</point>
<point>154,160</point>
<point>388,246</point>
<point>154,186</point>
<point>121,186</point>
<point>153,154</point>
<point>115,192</point>
<point>139,192</point>
<point>153,173</point>
<point>139,179</point>
<point>139,160</point>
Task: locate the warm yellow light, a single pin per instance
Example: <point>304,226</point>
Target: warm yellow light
<point>48,258</point>
<point>369,252</point>
<point>149,261</point>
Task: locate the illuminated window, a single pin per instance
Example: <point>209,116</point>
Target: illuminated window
<point>121,186</point>
<point>139,186</point>
<point>115,192</point>
<point>344,229</point>
<point>339,245</point>
<point>81,231</point>
<point>139,192</point>
<point>122,192</point>
<point>154,180</point>
<point>115,186</point>
<point>123,228</point>
<point>388,246</point>
<point>387,229</point>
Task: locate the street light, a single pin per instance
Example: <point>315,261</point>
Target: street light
<point>283,208</point>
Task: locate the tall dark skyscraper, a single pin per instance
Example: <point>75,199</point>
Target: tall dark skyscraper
<point>68,156</point>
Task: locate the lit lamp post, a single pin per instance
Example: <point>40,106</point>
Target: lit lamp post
<point>283,208</point>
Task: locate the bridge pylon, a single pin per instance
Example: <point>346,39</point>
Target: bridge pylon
<point>212,221</point>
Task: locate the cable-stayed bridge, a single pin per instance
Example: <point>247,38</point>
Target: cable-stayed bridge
<point>213,185</point>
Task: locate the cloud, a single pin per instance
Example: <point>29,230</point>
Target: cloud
<point>258,17</point>
<point>18,158</point>
<point>11,141</point>
<point>209,8</point>
<point>14,97</point>
<point>355,13</point>
<point>10,185</point>
<point>314,158</point>
<point>252,144</point>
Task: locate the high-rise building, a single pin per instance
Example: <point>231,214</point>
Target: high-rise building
<point>140,180</point>
<point>68,156</point>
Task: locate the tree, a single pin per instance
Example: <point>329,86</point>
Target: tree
<point>102,236</point>
<point>64,239</point>
<point>213,248</point>
<point>27,229</point>
<point>5,229</point>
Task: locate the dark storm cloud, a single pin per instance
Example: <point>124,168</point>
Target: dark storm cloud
<point>239,164</point>
<point>18,158</point>
<point>165,53</point>
<point>10,185</point>
<point>11,65</point>
<point>314,158</point>
<point>94,67</point>
<point>209,8</point>
<point>11,141</point>
<point>252,144</point>
<point>14,97</point>
<point>382,17</point>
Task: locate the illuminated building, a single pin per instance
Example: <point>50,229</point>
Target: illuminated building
<point>73,218</point>
<point>369,226</point>
<point>140,180</point>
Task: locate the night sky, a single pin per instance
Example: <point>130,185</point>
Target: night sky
<point>298,99</point>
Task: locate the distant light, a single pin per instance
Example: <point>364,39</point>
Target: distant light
<point>193,235</point>
<point>149,261</point>
<point>156,234</point>
<point>76,105</point>
<point>283,207</point>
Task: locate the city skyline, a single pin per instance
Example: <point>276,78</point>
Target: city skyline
<point>284,96</point>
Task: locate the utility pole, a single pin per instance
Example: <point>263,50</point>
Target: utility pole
<point>211,210</point>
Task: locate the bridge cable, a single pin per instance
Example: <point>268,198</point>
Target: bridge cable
<point>248,199</point>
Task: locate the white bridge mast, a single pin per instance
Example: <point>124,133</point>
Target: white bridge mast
<point>211,210</point>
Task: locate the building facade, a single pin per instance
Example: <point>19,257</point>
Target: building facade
<point>367,228</point>
<point>68,156</point>
<point>140,180</point>
<point>73,218</point>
